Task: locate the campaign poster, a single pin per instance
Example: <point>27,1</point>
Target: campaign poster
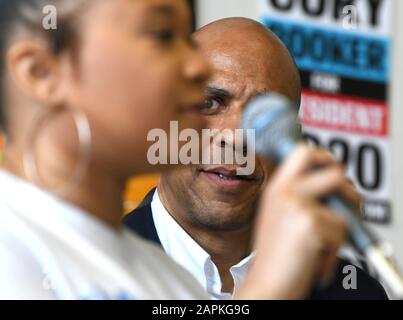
<point>342,49</point>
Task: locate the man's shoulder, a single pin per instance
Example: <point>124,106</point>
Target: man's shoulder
<point>138,218</point>
<point>141,220</point>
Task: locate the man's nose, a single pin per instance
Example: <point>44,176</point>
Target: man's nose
<point>235,142</point>
<point>229,137</point>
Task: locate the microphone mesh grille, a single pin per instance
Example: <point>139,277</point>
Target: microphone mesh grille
<point>275,120</point>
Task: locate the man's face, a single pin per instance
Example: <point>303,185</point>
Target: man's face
<point>213,196</point>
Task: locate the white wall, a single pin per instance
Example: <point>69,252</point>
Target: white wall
<point>211,10</point>
<point>395,232</point>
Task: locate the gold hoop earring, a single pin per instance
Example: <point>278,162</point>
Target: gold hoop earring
<point>83,128</point>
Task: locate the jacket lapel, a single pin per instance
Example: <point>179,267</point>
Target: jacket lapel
<point>141,220</point>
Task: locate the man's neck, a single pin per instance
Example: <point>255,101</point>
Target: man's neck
<point>226,248</point>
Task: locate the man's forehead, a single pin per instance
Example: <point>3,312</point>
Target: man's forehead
<point>243,79</point>
<point>235,44</point>
<point>223,61</point>
<point>236,34</point>
<point>250,57</point>
<point>238,69</point>
<point>244,52</point>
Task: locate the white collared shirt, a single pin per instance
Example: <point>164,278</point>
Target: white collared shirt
<point>50,249</point>
<point>186,252</point>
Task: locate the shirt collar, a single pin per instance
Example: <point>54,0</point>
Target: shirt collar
<point>178,244</point>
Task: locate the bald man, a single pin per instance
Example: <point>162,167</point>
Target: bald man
<point>202,215</point>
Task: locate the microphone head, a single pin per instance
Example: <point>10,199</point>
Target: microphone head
<point>275,121</point>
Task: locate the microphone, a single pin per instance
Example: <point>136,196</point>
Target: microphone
<point>275,121</point>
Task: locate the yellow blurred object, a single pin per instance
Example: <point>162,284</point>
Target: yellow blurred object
<point>1,146</point>
<point>137,189</point>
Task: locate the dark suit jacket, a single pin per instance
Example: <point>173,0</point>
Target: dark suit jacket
<point>141,221</point>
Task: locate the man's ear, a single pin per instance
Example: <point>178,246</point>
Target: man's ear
<point>34,69</point>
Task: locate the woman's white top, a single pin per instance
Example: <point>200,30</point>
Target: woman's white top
<point>50,249</point>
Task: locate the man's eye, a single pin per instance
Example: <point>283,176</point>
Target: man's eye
<point>212,106</point>
<point>165,37</point>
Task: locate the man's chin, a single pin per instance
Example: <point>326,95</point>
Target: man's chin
<point>225,225</point>
<point>229,217</point>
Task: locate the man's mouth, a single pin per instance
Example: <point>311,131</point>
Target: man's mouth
<point>224,177</point>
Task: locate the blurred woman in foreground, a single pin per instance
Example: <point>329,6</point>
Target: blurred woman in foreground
<point>77,104</point>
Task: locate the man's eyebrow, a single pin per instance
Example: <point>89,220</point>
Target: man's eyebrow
<point>218,92</point>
